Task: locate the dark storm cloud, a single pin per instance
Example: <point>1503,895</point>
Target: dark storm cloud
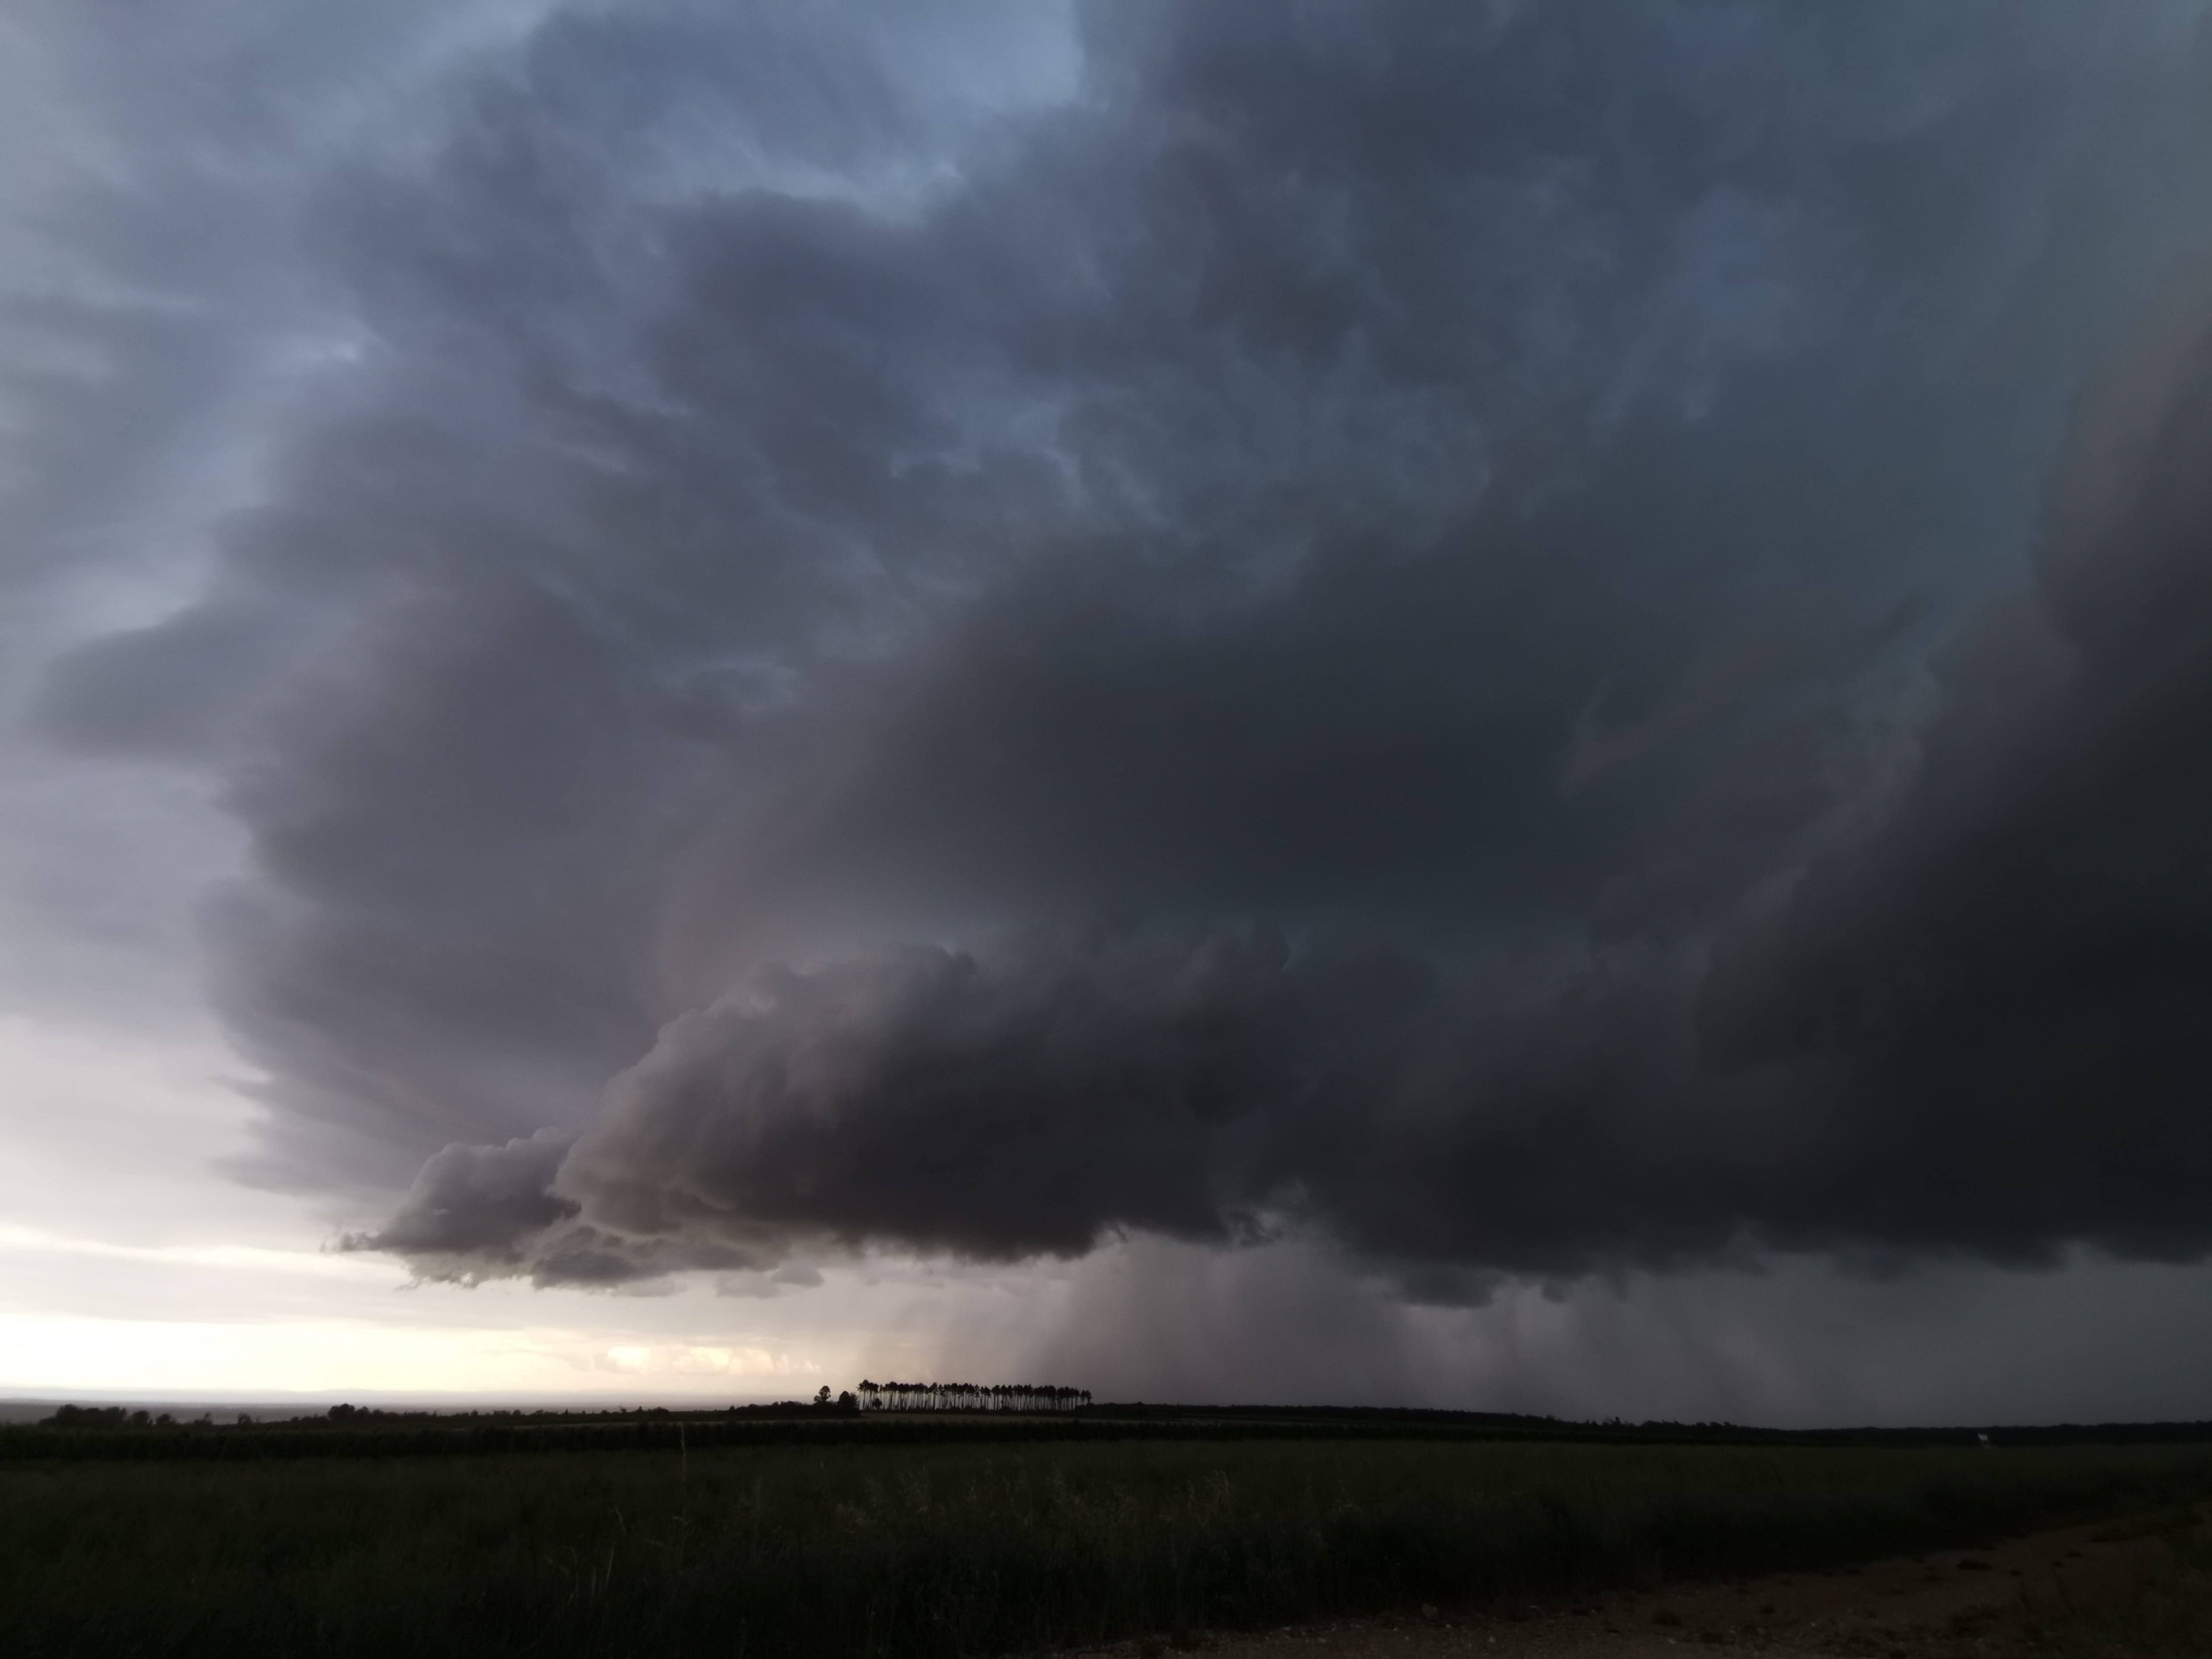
<point>1208,1088</point>
<point>2006,992</point>
<point>1326,628</point>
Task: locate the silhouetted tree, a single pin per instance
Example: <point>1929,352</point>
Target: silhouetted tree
<point>968,1396</point>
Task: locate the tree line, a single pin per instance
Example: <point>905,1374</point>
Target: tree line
<point>970,1397</point>
<point>120,1417</point>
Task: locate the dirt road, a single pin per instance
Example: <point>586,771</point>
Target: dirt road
<point>1946,1604</point>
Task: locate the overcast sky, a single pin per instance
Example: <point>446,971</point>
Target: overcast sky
<point>1485,704</point>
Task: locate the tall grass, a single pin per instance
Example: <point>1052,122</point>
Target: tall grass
<point>886,1550</point>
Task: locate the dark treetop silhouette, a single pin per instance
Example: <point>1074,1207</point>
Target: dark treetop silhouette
<point>970,1397</point>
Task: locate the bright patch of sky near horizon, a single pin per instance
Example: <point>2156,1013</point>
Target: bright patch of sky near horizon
<point>174,176</point>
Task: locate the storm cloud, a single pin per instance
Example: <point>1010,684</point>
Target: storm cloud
<point>1501,637</point>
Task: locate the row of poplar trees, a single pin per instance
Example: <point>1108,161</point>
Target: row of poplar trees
<point>970,1397</point>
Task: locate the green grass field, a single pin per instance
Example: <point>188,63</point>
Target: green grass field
<point>885,1549</point>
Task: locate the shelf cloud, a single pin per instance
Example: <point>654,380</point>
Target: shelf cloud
<point>1512,640</point>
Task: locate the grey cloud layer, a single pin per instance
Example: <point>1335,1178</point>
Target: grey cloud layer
<point>1327,627</point>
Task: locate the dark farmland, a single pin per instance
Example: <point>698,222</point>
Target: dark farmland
<point>863,1543</point>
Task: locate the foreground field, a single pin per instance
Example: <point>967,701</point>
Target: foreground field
<point>856,1549</point>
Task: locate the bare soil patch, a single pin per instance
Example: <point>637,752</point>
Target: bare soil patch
<point>1951,1604</point>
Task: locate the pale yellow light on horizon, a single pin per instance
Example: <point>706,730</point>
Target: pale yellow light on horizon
<point>48,1354</point>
